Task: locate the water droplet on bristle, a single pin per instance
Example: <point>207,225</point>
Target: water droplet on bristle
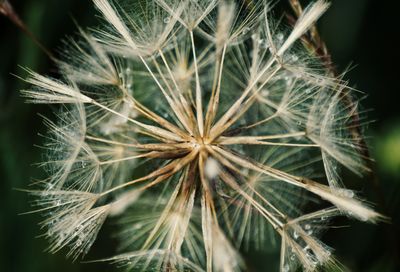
<point>264,93</point>
<point>348,193</point>
<point>246,30</point>
<point>263,43</point>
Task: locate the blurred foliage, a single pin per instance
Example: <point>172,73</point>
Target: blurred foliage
<point>360,32</point>
<point>388,150</point>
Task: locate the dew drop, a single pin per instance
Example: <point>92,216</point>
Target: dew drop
<point>307,227</point>
<point>349,193</point>
<point>295,58</point>
<point>263,43</point>
<point>280,36</point>
<point>308,91</point>
<point>265,93</point>
<point>314,262</point>
<point>166,20</point>
<point>346,193</point>
<point>350,214</point>
<point>246,30</point>
<point>293,257</point>
<point>295,234</point>
<point>137,226</point>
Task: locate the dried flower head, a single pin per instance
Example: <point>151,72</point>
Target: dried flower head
<point>204,127</point>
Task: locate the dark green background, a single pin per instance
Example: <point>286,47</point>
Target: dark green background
<point>358,32</point>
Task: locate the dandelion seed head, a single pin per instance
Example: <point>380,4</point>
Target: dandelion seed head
<point>201,127</point>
